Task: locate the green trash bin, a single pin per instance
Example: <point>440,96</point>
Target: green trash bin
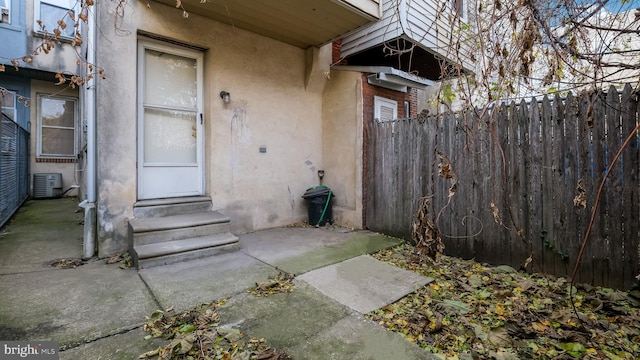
<point>319,205</point>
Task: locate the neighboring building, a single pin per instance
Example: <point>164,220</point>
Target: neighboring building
<point>605,35</point>
<point>214,119</point>
<point>35,105</point>
<point>410,51</point>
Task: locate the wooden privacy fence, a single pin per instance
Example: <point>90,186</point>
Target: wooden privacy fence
<point>524,180</point>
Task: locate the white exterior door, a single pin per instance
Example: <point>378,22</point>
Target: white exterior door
<point>170,122</point>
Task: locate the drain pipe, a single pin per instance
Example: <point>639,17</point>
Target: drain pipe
<point>89,242</point>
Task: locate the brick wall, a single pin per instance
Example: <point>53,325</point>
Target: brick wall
<point>370,91</point>
<point>336,53</point>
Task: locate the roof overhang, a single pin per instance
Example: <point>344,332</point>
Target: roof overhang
<point>389,77</point>
<point>29,73</point>
<point>299,23</point>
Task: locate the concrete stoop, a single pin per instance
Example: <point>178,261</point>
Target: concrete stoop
<point>166,231</point>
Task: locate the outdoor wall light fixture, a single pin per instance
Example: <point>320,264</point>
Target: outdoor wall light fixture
<point>225,96</point>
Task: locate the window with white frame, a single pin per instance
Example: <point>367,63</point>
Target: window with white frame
<point>57,118</point>
<point>8,104</point>
<point>8,114</point>
<point>48,12</point>
<point>459,9</point>
<point>384,109</point>
<point>5,11</point>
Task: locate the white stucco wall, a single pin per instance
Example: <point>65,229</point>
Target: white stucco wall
<point>342,145</point>
<point>270,107</point>
<point>70,171</point>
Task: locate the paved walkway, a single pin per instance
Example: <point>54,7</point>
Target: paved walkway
<point>96,311</point>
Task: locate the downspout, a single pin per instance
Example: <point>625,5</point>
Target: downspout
<point>89,242</point>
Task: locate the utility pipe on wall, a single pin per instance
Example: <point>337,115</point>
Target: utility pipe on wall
<point>89,242</point>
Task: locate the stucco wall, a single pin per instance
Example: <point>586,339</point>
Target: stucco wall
<point>342,145</point>
<point>270,107</point>
<point>62,58</point>
<point>70,171</point>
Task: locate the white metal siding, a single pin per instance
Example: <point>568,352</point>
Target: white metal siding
<point>434,29</point>
<point>370,7</point>
<point>387,28</point>
<point>416,20</point>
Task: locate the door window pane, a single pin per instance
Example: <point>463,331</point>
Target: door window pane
<point>170,80</point>
<point>169,136</point>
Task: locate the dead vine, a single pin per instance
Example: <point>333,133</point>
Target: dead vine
<point>424,232</point>
<point>587,234</point>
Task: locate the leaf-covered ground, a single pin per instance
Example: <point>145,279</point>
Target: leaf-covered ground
<point>281,283</point>
<point>197,335</point>
<point>478,312</point>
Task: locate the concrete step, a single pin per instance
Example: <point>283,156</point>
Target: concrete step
<point>166,231</point>
<point>169,252</point>
<point>160,236</point>
<point>169,228</point>
<point>172,206</point>
<point>177,221</point>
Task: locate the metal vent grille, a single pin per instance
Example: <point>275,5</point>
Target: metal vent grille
<point>47,185</point>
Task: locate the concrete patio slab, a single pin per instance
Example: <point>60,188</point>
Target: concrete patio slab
<point>72,306</point>
<point>298,250</point>
<point>125,346</point>
<point>96,311</point>
<point>356,338</point>
<point>186,284</point>
<point>45,231</point>
<point>364,283</point>
<point>309,325</point>
<point>285,319</point>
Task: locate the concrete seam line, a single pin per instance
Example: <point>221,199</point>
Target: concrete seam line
<point>264,262</point>
<point>153,296</point>
<point>73,345</point>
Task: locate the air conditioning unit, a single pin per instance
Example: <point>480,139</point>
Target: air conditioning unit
<point>47,185</point>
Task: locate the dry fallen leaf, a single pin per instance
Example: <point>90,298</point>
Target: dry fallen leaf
<point>505,308</point>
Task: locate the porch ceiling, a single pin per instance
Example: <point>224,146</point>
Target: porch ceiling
<point>296,22</point>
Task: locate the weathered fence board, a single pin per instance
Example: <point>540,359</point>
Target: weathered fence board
<point>562,184</point>
<point>527,178</point>
<point>514,187</point>
<point>612,191</point>
<point>573,226</point>
<point>535,229</point>
<point>630,195</point>
<point>585,113</point>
